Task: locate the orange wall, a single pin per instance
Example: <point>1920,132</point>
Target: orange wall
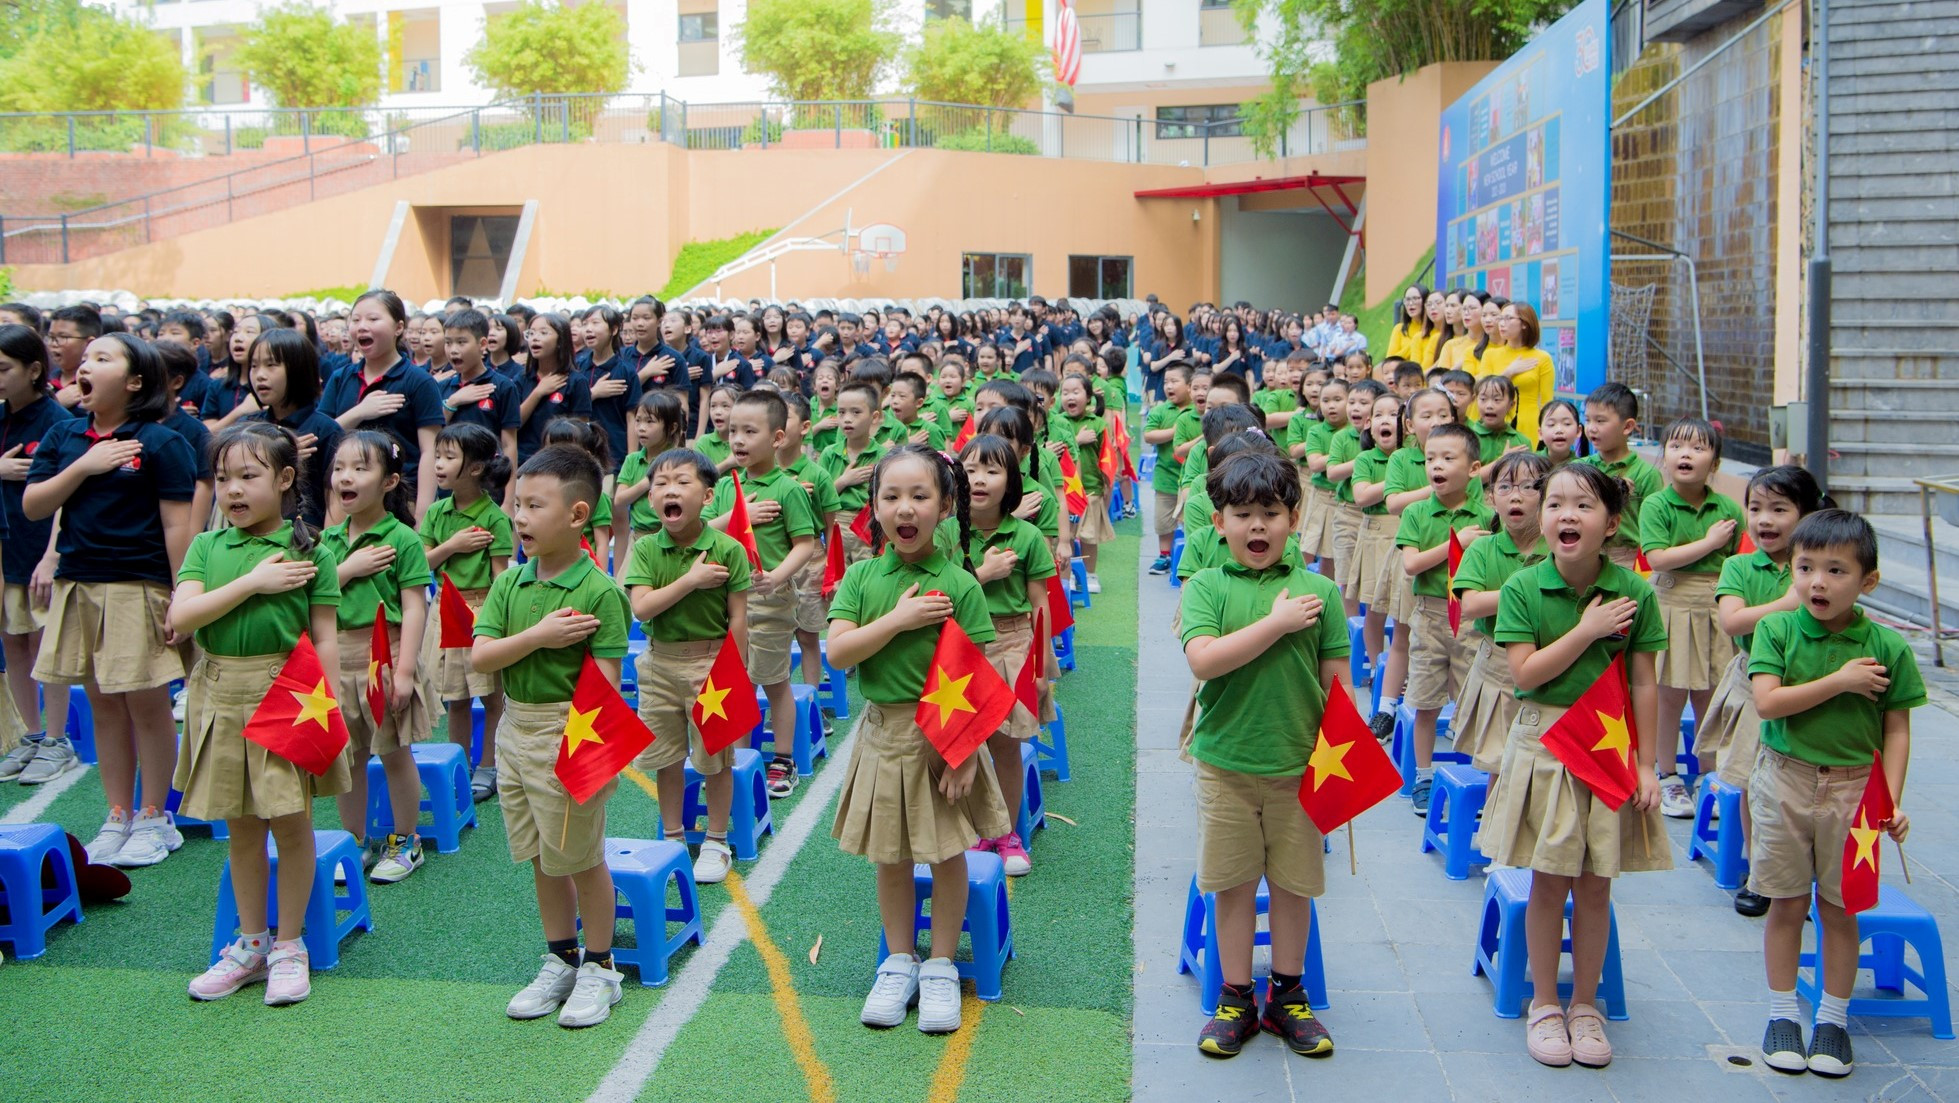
<point>1404,136</point>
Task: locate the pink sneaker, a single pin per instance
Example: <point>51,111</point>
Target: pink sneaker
<point>237,967</point>
<point>1013,855</point>
<point>290,979</point>
<point>987,846</point>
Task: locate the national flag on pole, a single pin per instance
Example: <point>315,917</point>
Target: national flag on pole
<point>1860,847</point>
<point>1059,612</point>
<point>1074,497</point>
<point>458,622</point>
<point>1597,740</point>
<point>1107,460</point>
<point>1640,564</point>
<point>602,735</point>
<point>1747,545</point>
<point>1119,428</point>
<point>738,526</point>
<point>1027,683</point>
<point>833,561</point>
<point>860,525</point>
<point>1348,772</point>
<point>965,699</point>
<point>298,719</point>
<point>724,706</point>
<point>380,665</point>
<point>1455,603</point>
<point>967,429</point>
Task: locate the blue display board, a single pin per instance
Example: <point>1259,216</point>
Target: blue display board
<point>1526,185</point>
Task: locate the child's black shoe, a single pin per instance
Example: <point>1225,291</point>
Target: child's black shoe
<point>1235,1023</point>
<point>1288,1015</point>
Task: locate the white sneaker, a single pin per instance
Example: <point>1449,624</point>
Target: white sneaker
<point>544,993</point>
<point>592,996</point>
<point>401,855</point>
<point>237,967</point>
<point>893,993</point>
<point>1674,801</point>
<point>711,867</point>
<point>152,838</point>
<point>109,841</point>
<point>54,757</point>
<point>177,705</point>
<point>938,995</point>
<point>1094,584</point>
<point>17,759</point>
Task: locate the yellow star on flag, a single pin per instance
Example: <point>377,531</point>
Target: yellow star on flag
<point>1072,482</point>
<point>373,672</point>
<point>1329,760</point>
<point>1866,837</point>
<point>950,696</point>
<point>711,701</point>
<point>579,730</point>
<point>1616,738</point>
<point>316,706</point>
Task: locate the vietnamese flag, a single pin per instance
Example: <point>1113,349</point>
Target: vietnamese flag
<point>967,430</point>
<point>299,720</point>
<point>1074,497</point>
<point>1860,849</point>
<point>1640,564</point>
<point>738,526</point>
<point>1106,459</point>
<point>1597,740</point>
<point>380,661</point>
<point>833,561</point>
<point>592,553</point>
<point>1348,772</point>
<point>1119,429</point>
<point>965,699</point>
<point>602,735</point>
<point>1747,545</point>
<point>1058,609</point>
<point>1455,603</point>
<point>724,707</point>
<point>860,525</point>
<point>458,623</point>
<point>1027,686</point>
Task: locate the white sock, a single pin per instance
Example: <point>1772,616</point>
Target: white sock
<point>1834,1009</point>
<point>1424,773</point>
<point>1389,704</point>
<point>257,943</point>
<point>1783,1005</point>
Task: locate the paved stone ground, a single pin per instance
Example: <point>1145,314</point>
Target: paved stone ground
<point>1409,1019</point>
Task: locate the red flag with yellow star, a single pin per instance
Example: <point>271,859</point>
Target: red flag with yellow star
<point>967,429</point>
<point>1597,740</point>
<point>965,699</point>
<point>1640,565</point>
<point>1108,460</point>
<point>299,720</point>
<point>724,706</point>
<point>1119,429</point>
<point>1348,772</point>
<point>1059,612</point>
<point>1455,603</point>
<point>833,561</point>
<point>860,525</point>
<point>458,622</point>
<point>1747,545</point>
<point>738,525</point>
<point>1027,683</point>
<point>1074,497</point>
<point>380,666</point>
<point>1860,849</point>
<point>602,735</point>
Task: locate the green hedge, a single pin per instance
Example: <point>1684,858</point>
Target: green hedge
<point>978,140</point>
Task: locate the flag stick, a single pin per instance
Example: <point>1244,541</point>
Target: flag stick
<point>1353,863</point>
<point>1902,862</point>
<point>565,831</point>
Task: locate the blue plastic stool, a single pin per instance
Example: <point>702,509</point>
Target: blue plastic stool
<point>1115,502</point>
<point>1360,668</point>
<point>1146,466</point>
<point>987,921</point>
<point>1064,648</point>
<point>444,771</point>
<point>1176,556</point>
<point>1033,811</point>
<point>749,816</point>
<point>1054,749</point>
<point>808,743</point>
<point>1502,956</point>
<point>1403,745</point>
<point>1685,763</point>
<point>1078,593</point>
<point>324,927</point>
<point>629,666</point>
<point>1199,953</point>
<point>81,724</point>
<point>1460,791</point>
<point>1718,833</point>
<point>476,732</point>
<point>31,909</point>
<point>217,828</point>
<point>836,695</point>
<point>1896,921</point>
<point>640,871</point>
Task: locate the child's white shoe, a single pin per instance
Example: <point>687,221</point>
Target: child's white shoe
<point>893,993</point>
<point>544,993</point>
<point>593,993</point>
<point>938,996</point>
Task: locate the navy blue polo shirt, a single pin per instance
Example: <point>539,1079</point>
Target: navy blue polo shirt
<point>221,396</point>
<point>111,528</point>
<point>331,363</point>
<point>26,541</point>
<point>611,413</point>
<point>314,470</point>
<point>502,410</point>
<point>196,435</point>
<point>509,369</point>
<point>423,410</point>
<point>575,398</point>
<point>1037,350</point>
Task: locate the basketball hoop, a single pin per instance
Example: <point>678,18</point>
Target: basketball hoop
<point>860,263</point>
<point>878,240</point>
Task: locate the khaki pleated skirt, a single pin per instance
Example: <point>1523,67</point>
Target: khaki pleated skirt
<point>1007,651</point>
<point>12,728</point>
<point>1726,738</point>
<point>222,774</point>
<point>1095,527</point>
<point>109,633</point>
<point>1697,649</point>
<point>1540,816</point>
<point>1315,515</point>
<point>890,810</point>
<point>1372,550</point>
<point>447,669</point>
<point>367,733</point>
<point>1487,707</point>
<point>1337,544</point>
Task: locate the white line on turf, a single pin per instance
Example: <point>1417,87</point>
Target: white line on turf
<point>692,983</point>
<point>29,810</point>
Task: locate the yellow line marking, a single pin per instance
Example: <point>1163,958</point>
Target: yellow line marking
<point>795,1027</point>
<point>632,773</point>
<point>951,1073</point>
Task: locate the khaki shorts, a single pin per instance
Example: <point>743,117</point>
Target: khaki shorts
<point>541,819</point>
<point>812,611</point>
<point>1166,513</point>
<point>1438,662</point>
<point>109,633</point>
<point>1250,827</point>
<point>448,669</point>
<point>1802,815</point>
<point>670,677</point>
<point>771,625</point>
<point>19,616</point>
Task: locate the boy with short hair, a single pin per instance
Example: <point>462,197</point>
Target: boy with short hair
<point>475,393</point>
<point>538,623</point>
<point>1263,635</point>
<point>1833,688</point>
<point>1611,421</point>
<point>1408,379</point>
<point>812,611</point>
<point>904,405</point>
<point>1226,389</point>
<point>1166,422</point>
<point>850,460</point>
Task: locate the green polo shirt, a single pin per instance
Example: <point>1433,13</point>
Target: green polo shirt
<point>1426,524</point>
<point>468,570</point>
<point>1316,435</point>
<point>1005,597</point>
<point>1538,606</point>
<point>822,488</point>
<point>797,519</point>
<point>1668,521</point>
<point>1197,465</point>
<point>870,589</point>
<point>1494,444</point>
<point>1646,483</point>
<point>1408,470</point>
<point>891,432</point>
<point>1276,402</point>
<point>820,439</point>
<point>1754,578</point>
<point>713,447</point>
<point>1847,729</point>
<point>900,433</point>
<point>1088,457</point>
<point>1488,564</point>
<point>263,624</point>
<point>637,468</point>
<point>837,459</point>
<point>1047,469</point>
<point>1196,517</point>
<point>519,599</point>
<point>361,596</point>
<point>1342,446</point>
<point>1211,550</point>
<point>1371,466</point>
<point>1115,391</point>
<point>1264,717</point>
<point>1048,517</point>
<point>1163,480</point>
<point>658,561</point>
<point>1188,425</point>
<point>943,406</point>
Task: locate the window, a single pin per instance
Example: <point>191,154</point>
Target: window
<point>1220,120</point>
<point>947,9</point>
<point>1098,277</point>
<point>995,275</point>
<point>700,27</point>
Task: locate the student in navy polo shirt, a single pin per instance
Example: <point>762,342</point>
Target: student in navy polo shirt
<point>506,340</point>
<point>286,381</point>
<point>644,346</point>
<point>1022,350</point>
<point>381,391</point>
<point>179,364</point>
<point>30,412</point>
<point>551,386</point>
<point>614,382</point>
<point>725,363</point>
<point>475,394</point>
<point>123,484</point>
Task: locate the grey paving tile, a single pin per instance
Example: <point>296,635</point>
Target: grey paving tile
<point>1375,1021</point>
<point>1368,1074</point>
<point>1443,969</point>
<point>1514,1078</point>
<point>1178,1073</point>
<point>1642,1079</point>
<point>1677,1029</point>
<point>1720,974</point>
<point>1465,1023</point>
<point>1363,967</point>
<point>1669,927</point>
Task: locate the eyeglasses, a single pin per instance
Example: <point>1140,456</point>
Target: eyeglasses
<point>1514,488</point>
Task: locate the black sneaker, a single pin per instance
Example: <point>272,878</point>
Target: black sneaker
<point>1235,1023</point>
<point>782,778</point>
<point>1161,566</point>
<point>1751,904</point>
<point>1382,726</point>
<point>1829,1050</point>
<point>1782,1046</point>
<point>1423,787</point>
<point>1288,1016</point>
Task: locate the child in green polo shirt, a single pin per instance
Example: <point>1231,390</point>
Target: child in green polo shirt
<point>951,404</point>
<point>1438,662</point>
<point>689,586</point>
<point>538,624</point>
<point>851,459</point>
<point>1161,427</point>
<point>824,426</point>
<point>1227,430</point>
<point>1687,532</point>
<point>1833,689</point>
<point>714,443</point>
<point>1308,441</point>
<point>1079,427</point>
<point>657,427</point>
<point>1496,405</point>
<point>1263,635</point>
<point>1408,481</point>
<point>1611,423</point>
<point>901,804</point>
<point>906,401</point>
<point>1343,448</point>
<point>1561,623</point>
<point>1488,703</point>
<point>1382,433</point>
<point>812,610</point>
<point>466,537</point>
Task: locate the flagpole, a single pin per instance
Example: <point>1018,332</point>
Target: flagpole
<point>565,831</point>
<point>1902,862</point>
<point>1353,863</point>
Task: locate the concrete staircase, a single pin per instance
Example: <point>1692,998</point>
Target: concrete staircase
<point>1894,246</point>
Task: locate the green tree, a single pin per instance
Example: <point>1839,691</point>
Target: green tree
<point>60,55</point>
<point>1333,49</point>
<point>957,62</point>
<point>546,46</point>
<point>818,49</point>
<point>305,59</point>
